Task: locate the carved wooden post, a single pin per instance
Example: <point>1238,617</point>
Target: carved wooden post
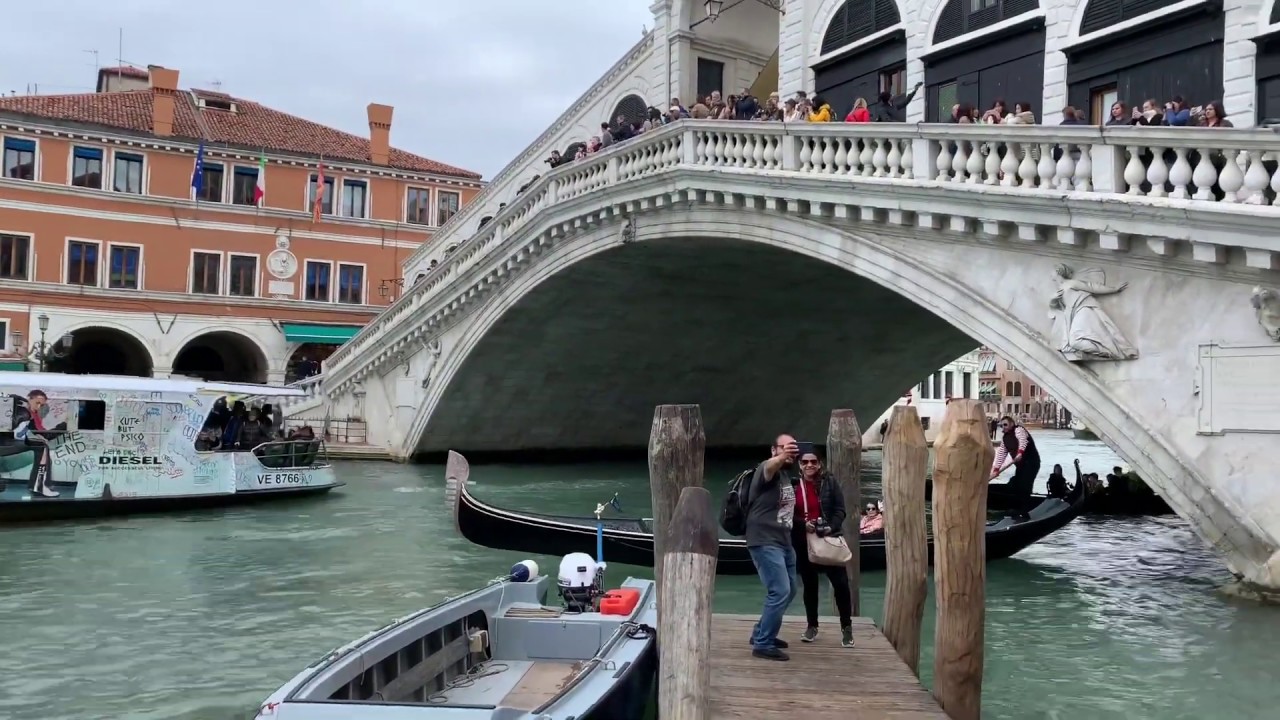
<point>684,625</point>
<point>676,448</point>
<point>906,460</point>
<point>960,475</point>
<point>844,461</point>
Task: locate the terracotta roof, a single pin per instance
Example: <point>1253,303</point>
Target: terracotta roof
<point>252,126</point>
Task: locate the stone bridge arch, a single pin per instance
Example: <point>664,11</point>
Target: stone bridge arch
<point>970,314</point>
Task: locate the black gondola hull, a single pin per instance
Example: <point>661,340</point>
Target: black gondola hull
<point>629,541</point>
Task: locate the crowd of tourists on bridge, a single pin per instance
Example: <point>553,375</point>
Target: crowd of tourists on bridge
<point>887,107</point>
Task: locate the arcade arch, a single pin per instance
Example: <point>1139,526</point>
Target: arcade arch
<point>99,350</point>
<point>224,356</point>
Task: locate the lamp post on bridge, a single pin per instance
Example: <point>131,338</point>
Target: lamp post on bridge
<point>384,287</point>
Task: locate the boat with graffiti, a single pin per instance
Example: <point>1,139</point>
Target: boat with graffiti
<point>74,446</point>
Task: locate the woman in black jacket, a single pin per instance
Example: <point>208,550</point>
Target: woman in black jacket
<point>820,511</point>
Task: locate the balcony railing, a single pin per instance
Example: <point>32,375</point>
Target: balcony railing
<point>1183,167</point>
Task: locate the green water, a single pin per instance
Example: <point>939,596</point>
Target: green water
<point>201,616</point>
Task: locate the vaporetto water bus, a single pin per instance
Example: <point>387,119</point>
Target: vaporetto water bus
<point>74,446</point>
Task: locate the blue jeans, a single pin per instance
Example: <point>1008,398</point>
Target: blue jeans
<point>777,567</point>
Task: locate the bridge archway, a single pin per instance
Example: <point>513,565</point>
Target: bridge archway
<point>102,350</point>
<point>222,355</point>
<point>978,56</point>
<point>942,309</point>
<point>632,107</point>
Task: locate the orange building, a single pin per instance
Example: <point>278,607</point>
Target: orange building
<point>117,257</point>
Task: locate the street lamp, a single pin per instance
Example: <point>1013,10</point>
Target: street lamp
<point>43,350</point>
<point>384,287</point>
<point>714,8</point>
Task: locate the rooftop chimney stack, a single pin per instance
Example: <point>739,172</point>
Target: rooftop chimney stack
<point>165,84</point>
<point>380,133</point>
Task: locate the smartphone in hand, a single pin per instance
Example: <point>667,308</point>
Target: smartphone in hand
<point>804,448</point>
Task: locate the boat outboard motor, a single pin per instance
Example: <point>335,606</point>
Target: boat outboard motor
<point>581,582</point>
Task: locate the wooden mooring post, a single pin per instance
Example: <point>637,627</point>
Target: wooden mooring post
<point>684,597</point>
<point>906,461</point>
<point>677,448</point>
<point>844,461</point>
<point>960,475</point>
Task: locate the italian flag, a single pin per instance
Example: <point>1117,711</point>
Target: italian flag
<point>260,191</point>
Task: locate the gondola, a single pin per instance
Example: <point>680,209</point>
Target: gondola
<point>1103,501</point>
<point>630,540</point>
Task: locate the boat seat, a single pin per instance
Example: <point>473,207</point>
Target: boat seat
<point>542,681</point>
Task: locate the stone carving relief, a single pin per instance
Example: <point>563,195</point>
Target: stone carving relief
<point>1266,307</point>
<point>1082,330</point>
<point>433,358</point>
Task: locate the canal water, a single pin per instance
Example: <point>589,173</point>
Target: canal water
<point>200,616</point>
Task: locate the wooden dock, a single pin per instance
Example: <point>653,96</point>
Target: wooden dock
<point>822,680</point>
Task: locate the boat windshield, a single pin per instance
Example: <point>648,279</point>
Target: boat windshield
<point>236,424</point>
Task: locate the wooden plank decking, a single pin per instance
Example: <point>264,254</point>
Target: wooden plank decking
<point>822,680</point>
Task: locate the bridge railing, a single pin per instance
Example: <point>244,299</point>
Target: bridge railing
<point>1186,167</point>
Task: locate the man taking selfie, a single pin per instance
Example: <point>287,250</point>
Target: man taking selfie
<point>770,515</point>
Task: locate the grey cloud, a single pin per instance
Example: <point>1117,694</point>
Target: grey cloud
<point>472,82</point>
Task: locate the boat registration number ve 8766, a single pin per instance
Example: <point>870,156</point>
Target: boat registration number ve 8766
<point>290,478</point>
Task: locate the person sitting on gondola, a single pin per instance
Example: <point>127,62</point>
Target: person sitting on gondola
<point>1058,481</point>
<point>872,520</point>
<point>1018,449</point>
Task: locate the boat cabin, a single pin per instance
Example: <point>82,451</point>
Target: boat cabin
<point>91,436</point>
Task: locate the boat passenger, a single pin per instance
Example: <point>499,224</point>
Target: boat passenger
<point>231,431</point>
<point>820,511</point>
<point>1018,449</point>
<point>770,515</point>
<point>1058,482</point>
<point>252,433</point>
<point>872,520</point>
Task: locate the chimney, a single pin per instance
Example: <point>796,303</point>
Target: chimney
<point>380,133</point>
<point>165,84</point>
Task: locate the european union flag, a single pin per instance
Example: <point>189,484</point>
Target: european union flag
<point>197,176</point>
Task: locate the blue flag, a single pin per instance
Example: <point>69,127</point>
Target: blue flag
<point>197,177</point>
<point>615,503</point>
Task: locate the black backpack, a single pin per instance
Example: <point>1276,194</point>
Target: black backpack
<point>733,514</point>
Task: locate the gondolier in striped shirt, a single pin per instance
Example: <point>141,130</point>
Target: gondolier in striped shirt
<point>1017,448</point>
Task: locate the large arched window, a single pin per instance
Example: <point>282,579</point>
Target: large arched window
<point>1008,388</point>
<point>961,17</point>
<point>1017,389</point>
<point>631,107</point>
<point>1102,14</point>
<point>857,19</point>
<point>1275,13</point>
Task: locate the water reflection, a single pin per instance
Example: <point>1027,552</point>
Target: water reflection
<point>198,617</point>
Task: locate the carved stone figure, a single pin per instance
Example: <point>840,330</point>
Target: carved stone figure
<point>1082,329</point>
<point>1266,306</point>
<point>433,358</point>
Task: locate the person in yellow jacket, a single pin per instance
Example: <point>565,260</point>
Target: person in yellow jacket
<point>823,113</point>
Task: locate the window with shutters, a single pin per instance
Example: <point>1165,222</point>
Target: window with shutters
<point>961,17</point>
<point>1102,14</point>
<point>857,19</point>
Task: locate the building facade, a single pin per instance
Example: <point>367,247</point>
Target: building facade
<point>1047,54</point>
<point>118,257</point>
<point>956,379</point>
<point>1006,390</point>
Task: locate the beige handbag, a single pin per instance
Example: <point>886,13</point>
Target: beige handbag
<point>829,550</point>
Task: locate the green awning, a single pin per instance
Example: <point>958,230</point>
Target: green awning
<point>13,365</point>
<point>322,334</point>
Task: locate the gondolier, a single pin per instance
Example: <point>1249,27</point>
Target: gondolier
<point>1017,448</point>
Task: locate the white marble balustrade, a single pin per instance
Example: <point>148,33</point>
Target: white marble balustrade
<point>1191,166</point>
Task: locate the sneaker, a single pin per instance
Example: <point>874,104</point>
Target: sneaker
<point>846,636</point>
<point>781,644</point>
<point>810,634</point>
<point>770,654</point>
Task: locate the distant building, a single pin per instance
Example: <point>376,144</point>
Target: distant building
<point>1006,390</point>
<point>109,240</point>
<point>957,379</point>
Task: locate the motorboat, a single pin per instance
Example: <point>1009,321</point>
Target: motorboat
<point>74,446</point>
<point>630,540</point>
<point>503,651</point>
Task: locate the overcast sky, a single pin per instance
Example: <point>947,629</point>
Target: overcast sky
<point>472,82</point>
